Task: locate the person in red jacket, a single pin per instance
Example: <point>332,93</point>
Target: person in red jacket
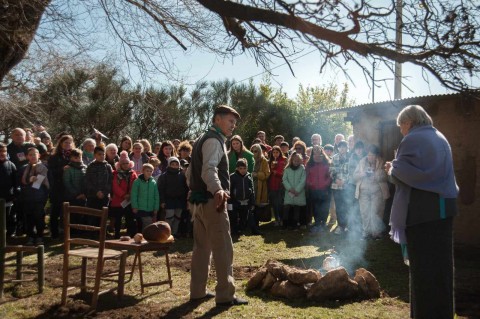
<point>318,186</point>
<point>123,178</point>
<point>277,164</point>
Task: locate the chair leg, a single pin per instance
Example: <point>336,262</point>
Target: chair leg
<point>2,271</point>
<point>98,277</point>
<point>40,268</point>
<point>83,276</point>
<point>19,265</point>
<point>65,279</point>
<point>121,273</point>
<point>140,270</point>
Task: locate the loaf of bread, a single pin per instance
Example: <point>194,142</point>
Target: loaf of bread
<point>157,232</point>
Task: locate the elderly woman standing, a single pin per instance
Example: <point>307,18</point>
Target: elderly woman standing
<point>371,192</point>
<point>422,212</point>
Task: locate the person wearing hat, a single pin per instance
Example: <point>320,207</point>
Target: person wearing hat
<point>123,178</point>
<point>173,189</point>
<point>209,182</point>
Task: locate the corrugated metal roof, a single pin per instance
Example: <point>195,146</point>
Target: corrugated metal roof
<point>395,103</point>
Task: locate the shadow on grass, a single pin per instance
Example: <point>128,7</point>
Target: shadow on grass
<point>78,305</point>
<point>187,308</point>
<point>299,303</point>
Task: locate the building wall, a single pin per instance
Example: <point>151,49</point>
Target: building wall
<point>459,120</point>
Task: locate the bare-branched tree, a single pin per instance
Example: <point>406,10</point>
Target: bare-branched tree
<point>438,35</point>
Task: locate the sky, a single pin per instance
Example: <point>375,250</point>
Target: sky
<point>203,66</point>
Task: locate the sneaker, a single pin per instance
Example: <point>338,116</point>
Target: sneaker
<point>235,302</point>
<point>30,242</point>
<point>338,231</point>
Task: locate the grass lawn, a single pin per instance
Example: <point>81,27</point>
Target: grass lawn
<point>299,248</point>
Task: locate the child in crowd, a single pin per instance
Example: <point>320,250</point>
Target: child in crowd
<point>242,198</point>
<point>35,189</point>
<point>155,162</point>
<point>8,184</point>
<point>294,178</point>
<point>173,191</point>
<point>98,180</point>
<point>123,178</point>
<point>144,198</point>
<point>277,164</point>
<point>74,179</point>
<point>138,157</point>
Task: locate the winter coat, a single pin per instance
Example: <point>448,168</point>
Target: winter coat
<point>378,177</point>
<point>56,163</point>
<point>260,182</point>
<point>8,180</point>
<point>32,194</point>
<point>318,176</point>
<point>121,187</point>
<point>294,178</point>
<point>145,194</point>
<point>241,188</point>
<point>276,174</point>
<point>99,177</point>
<point>173,189</point>
<point>233,158</point>
<point>74,180</point>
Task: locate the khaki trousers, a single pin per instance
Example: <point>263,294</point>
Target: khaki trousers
<point>211,234</point>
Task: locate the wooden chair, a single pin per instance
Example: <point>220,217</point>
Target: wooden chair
<point>90,249</point>
<point>19,250</point>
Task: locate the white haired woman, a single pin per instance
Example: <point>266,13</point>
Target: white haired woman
<point>422,212</point>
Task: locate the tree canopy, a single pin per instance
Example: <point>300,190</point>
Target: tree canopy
<point>438,35</point>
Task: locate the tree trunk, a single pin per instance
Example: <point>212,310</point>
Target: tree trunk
<point>19,20</point>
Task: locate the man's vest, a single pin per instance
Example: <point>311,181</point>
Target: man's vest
<point>197,185</point>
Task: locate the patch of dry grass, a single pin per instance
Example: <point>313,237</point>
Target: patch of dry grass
<point>297,248</point>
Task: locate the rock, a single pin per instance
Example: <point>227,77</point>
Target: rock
<point>373,287</point>
<point>256,279</point>
<point>362,286</point>
<point>268,281</point>
<point>157,232</point>
<point>277,269</point>
<point>334,285</point>
<point>287,289</point>
<point>303,276</point>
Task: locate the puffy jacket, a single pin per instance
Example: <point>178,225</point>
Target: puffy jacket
<point>98,178</point>
<point>8,180</point>
<point>121,187</point>
<point>74,180</point>
<point>318,176</point>
<point>241,188</point>
<point>173,189</point>
<point>145,194</point>
<point>294,178</point>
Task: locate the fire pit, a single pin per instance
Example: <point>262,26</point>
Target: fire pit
<point>290,282</point>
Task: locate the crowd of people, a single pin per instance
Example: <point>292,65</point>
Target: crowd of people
<point>315,186</point>
<point>225,192</point>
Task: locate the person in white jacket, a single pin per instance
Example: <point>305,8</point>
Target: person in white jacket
<point>371,192</point>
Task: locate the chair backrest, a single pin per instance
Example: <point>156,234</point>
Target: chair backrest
<point>97,231</point>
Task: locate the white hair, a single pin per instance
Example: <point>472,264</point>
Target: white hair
<point>414,114</point>
<point>111,146</point>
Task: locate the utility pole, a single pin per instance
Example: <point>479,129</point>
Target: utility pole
<point>398,46</point>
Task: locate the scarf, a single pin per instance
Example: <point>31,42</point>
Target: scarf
<point>123,175</point>
<point>66,154</point>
